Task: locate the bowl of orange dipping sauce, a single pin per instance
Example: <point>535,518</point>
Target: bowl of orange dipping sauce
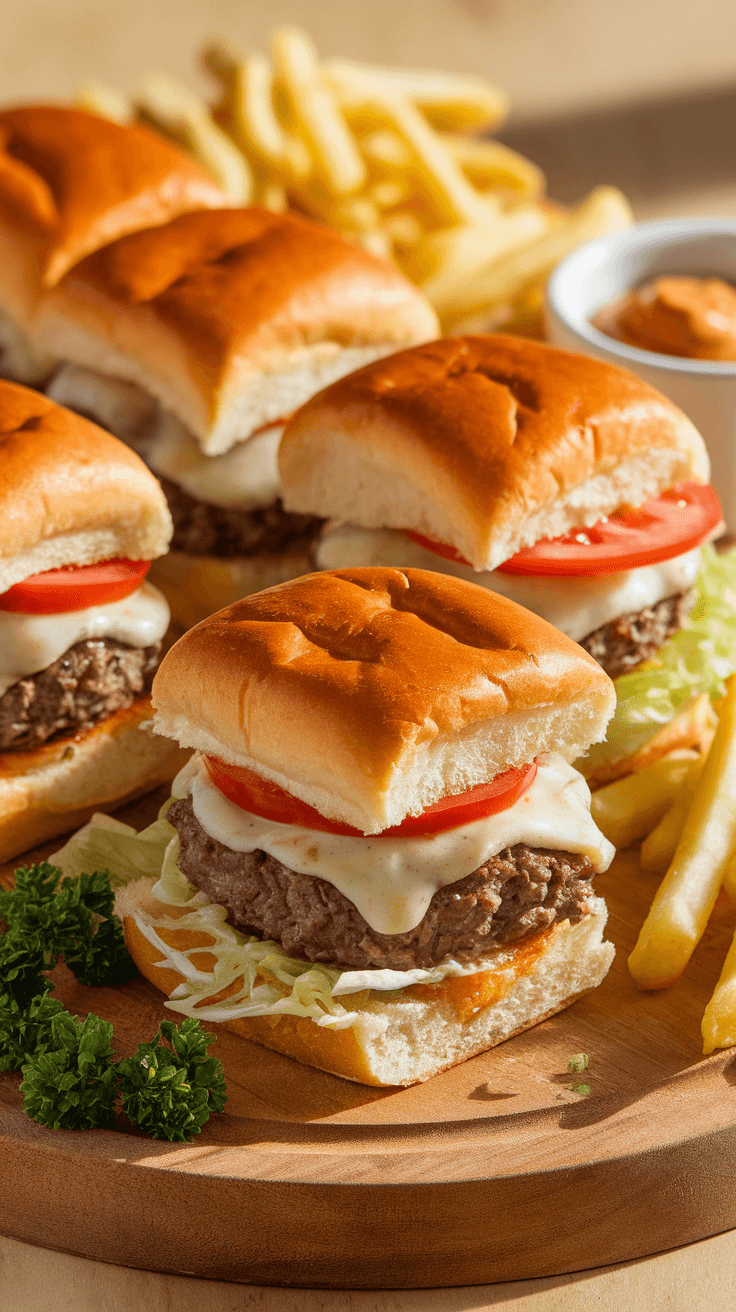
<point>660,299</point>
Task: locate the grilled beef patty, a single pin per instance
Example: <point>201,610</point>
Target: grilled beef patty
<point>509,898</point>
<point>88,683</point>
<point>202,529</point>
<point>627,641</point>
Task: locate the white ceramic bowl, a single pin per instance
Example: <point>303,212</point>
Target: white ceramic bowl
<point>602,270</point>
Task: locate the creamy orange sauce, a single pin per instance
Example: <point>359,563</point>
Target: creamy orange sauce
<point>469,994</point>
<point>691,317</point>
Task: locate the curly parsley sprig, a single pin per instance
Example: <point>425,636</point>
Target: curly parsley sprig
<point>70,1080</point>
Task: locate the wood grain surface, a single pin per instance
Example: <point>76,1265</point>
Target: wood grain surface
<point>493,1171</point>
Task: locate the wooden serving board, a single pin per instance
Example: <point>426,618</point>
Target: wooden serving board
<point>492,1171</point>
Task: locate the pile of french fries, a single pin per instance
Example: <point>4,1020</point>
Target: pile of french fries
<point>390,157</point>
<point>683,807</point>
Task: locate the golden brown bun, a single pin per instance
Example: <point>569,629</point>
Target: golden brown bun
<point>232,318</point>
<point>197,586</point>
<point>57,787</point>
<point>75,182</point>
<point>371,693</point>
<point>485,443</point>
<point>69,492</point>
<point>427,1029</point>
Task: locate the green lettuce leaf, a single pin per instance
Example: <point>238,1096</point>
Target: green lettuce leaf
<point>695,660</point>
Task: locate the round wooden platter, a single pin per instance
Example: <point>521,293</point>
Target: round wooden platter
<point>495,1170</point>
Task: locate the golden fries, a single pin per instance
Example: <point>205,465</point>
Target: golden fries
<point>180,114</point>
<point>685,898</point>
<point>629,808</point>
<point>450,101</point>
<point>604,210</point>
<point>337,158</point>
<point>660,845</point>
<point>719,1019</point>
<point>385,156</point>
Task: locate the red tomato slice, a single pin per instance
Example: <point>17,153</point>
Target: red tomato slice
<point>75,587</point>
<point>668,525</point>
<point>249,791</point>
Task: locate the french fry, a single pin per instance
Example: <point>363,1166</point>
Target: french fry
<point>105,101</point>
<point>385,151</point>
<point>660,845</point>
<point>337,159</point>
<point>685,898</point>
<point>604,210</point>
<point>449,254</point>
<point>629,808</point>
<point>718,1026</point>
<point>450,101</point>
<point>453,199</point>
<point>490,164</point>
<point>254,125</point>
<point>179,113</point>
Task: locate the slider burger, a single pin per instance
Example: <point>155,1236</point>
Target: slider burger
<point>379,860</point>
<point>71,182</point>
<point>80,629</point>
<point>563,483</point>
<point>193,341</point>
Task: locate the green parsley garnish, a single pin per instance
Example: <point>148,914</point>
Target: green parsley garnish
<point>70,1081</point>
<point>583,1089</point>
<point>170,1091</point>
<point>578,1063</point>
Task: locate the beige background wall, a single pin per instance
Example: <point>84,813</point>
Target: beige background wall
<point>553,56</point>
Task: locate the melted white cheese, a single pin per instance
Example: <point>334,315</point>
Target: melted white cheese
<point>576,606</point>
<point>245,478</point>
<point>28,643</point>
<point>393,880</point>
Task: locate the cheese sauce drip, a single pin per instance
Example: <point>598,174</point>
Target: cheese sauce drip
<point>392,881</point>
<point>29,643</point>
<point>245,478</point>
<point>576,606</point>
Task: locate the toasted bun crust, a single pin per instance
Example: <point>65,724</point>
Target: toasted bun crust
<point>57,787</point>
<point>426,1031</point>
<point>371,693</point>
<point>232,318</point>
<point>485,443</point>
<point>197,586</point>
<point>70,493</point>
<point>74,182</point>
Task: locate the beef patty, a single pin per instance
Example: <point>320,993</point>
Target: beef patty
<point>509,898</point>
<point>627,641</point>
<point>88,683</point>
<point>202,529</point>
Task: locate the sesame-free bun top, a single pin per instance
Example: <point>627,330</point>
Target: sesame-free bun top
<point>371,693</point>
<point>70,493</point>
<point>232,318</point>
<point>74,182</point>
<point>487,444</point>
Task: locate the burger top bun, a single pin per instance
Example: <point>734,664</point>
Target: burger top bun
<point>70,494</point>
<point>70,182</point>
<point>486,444</point>
<point>372,693</point>
<point>232,318</point>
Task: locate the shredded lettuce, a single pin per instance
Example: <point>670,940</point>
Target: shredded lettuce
<point>695,660</point>
<point>257,977</point>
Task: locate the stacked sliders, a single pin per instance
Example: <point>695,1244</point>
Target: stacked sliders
<point>379,860</point>
<point>194,341</point>
<point>561,482</point>
<point>71,182</point>
<point>80,630</point>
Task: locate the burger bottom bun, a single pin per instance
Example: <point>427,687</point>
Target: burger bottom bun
<point>693,727</point>
<point>59,786</point>
<point>197,586</point>
<point>428,1028</point>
